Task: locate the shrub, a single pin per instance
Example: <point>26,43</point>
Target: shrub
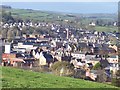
<point>62,68</point>
<point>80,73</point>
<point>116,80</point>
<point>101,77</point>
<point>97,66</point>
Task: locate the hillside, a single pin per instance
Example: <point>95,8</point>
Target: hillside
<point>104,21</point>
<point>59,16</point>
<point>17,78</point>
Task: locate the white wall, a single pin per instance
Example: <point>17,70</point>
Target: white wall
<point>78,56</point>
<point>7,48</point>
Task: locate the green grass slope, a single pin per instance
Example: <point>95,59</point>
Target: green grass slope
<point>17,78</point>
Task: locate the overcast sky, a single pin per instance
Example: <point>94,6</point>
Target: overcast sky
<point>60,0</point>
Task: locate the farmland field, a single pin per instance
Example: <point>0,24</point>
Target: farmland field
<point>106,29</point>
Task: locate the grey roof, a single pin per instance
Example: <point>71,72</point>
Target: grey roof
<point>82,44</point>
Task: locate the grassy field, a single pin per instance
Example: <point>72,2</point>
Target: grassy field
<point>106,28</point>
<point>33,14</point>
<point>17,78</point>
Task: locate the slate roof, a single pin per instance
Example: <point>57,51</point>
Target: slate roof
<point>31,39</point>
<point>28,43</point>
<point>49,57</point>
<point>82,45</point>
<point>104,63</point>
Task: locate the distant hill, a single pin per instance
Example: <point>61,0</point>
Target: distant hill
<point>52,16</point>
<point>17,78</point>
<point>74,20</point>
<point>5,7</point>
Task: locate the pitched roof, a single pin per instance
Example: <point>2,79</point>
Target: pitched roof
<point>82,45</point>
<point>48,56</point>
<point>104,63</point>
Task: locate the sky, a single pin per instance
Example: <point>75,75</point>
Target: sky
<point>60,0</point>
<point>68,6</point>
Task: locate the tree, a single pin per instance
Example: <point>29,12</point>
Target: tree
<point>113,40</point>
<point>10,35</point>
<point>18,33</point>
<point>116,80</point>
<point>24,29</point>
<point>106,56</point>
<point>101,76</point>
<point>4,33</point>
<point>62,68</point>
<point>80,73</point>
<point>97,66</point>
<point>7,17</point>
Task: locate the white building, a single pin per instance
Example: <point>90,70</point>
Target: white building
<point>92,24</point>
<point>78,55</point>
<point>113,60</point>
<point>7,48</point>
